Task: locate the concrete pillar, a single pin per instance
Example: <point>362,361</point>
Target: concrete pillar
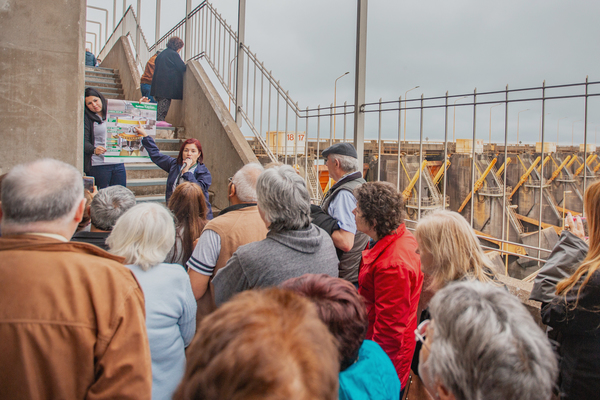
<point>42,57</point>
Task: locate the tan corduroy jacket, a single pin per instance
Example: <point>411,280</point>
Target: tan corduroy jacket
<point>72,323</point>
<point>236,228</point>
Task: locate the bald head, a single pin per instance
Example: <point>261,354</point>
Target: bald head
<point>245,182</point>
<point>46,190</point>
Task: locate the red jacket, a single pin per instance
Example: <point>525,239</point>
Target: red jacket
<point>390,280</point>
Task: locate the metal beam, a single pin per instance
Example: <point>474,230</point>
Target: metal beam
<point>106,22</point>
<point>239,78</point>
<point>360,79</point>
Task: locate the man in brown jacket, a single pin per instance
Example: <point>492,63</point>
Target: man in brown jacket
<point>235,226</point>
<point>146,79</point>
<point>72,316</point>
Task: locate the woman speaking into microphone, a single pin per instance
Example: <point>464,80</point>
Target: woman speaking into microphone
<point>187,167</point>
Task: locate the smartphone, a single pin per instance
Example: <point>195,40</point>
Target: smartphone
<point>89,183</point>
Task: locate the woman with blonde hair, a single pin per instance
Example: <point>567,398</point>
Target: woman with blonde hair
<point>575,314</point>
<point>450,250</point>
<point>143,236</point>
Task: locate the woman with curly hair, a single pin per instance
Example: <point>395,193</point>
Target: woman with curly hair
<point>390,276</point>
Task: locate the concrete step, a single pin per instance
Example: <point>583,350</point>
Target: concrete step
<point>105,89</point>
<point>147,186</point>
<point>113,96</point>
<point>103,85</point>
<point>101,70</point>
<point>173,132</point>
<point>155,198</point>
<point>96,80</point>
<point>144,170</point>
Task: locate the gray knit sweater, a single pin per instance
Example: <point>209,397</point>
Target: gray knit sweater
<point>282,255</point>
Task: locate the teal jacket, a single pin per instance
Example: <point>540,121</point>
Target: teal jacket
<point>371,377</point>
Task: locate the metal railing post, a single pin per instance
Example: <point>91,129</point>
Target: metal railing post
<point>360,79</point>
<point>157,23</point>
<point>188,31</point>
<point>240,61</point>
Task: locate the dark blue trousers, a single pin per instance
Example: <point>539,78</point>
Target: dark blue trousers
<point>109,175</point>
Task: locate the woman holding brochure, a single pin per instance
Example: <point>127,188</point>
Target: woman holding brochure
<point>187,167</point>
<point>105,172</point>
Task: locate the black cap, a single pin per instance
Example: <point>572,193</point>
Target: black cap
<point>344,149</point>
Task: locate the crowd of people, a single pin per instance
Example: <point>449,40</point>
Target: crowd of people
<point>275,297</point>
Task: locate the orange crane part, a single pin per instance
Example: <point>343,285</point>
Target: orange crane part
<point>544,163</point>
<point>478,184</point>
<point>524,177</point>
<point>501,169</point>
<point>407,192</point>
<point>590,159</point>
<point>573,158</point>
<point>557,171</point>
<point>440,173</point>
<point>597,167</point>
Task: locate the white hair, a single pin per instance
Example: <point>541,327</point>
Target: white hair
<point>45,190</point>
<point>486,345</point>
<point>283,198</point>
<point>144,235</point>
<point>245,182</point>
<point>347,164</point>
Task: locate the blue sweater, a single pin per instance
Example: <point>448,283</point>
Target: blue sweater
<point>170,322</point>
<point>201,175</point>
<point>371,377</point>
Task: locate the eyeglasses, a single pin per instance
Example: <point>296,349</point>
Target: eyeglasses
<point>421,331</point>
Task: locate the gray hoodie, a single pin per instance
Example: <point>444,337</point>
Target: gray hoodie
<point>281,256</point>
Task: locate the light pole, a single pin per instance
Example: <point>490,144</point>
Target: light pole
<point>490,140</point>
<point>519,116</point>
<point>405,93</point>
<point>454,120</point>
<point>573,131</point>
<point>335,99</point>
<point>557,129</point>
<point>542,120</point>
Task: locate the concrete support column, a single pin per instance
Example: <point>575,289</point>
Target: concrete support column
<point>42,51</point>
<point>239,75</point>
<point>360,78</point>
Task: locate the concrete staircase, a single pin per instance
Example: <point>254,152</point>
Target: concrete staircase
<point>146,180</point>
<point>106,80</point>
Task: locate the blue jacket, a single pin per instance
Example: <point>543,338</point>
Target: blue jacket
<point>371,377</point>
<point>201,176</point>
<point>90,59</point>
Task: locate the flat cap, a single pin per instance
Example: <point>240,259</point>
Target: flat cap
<point>344,149</point>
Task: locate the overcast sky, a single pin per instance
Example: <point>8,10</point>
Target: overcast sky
<point>440,45</point>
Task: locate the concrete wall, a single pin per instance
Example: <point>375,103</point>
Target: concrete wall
<point>42,56</point>
<point>121,57</point>
<point>207,119</point>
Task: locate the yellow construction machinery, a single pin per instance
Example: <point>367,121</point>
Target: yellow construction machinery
<point>478,184</point>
